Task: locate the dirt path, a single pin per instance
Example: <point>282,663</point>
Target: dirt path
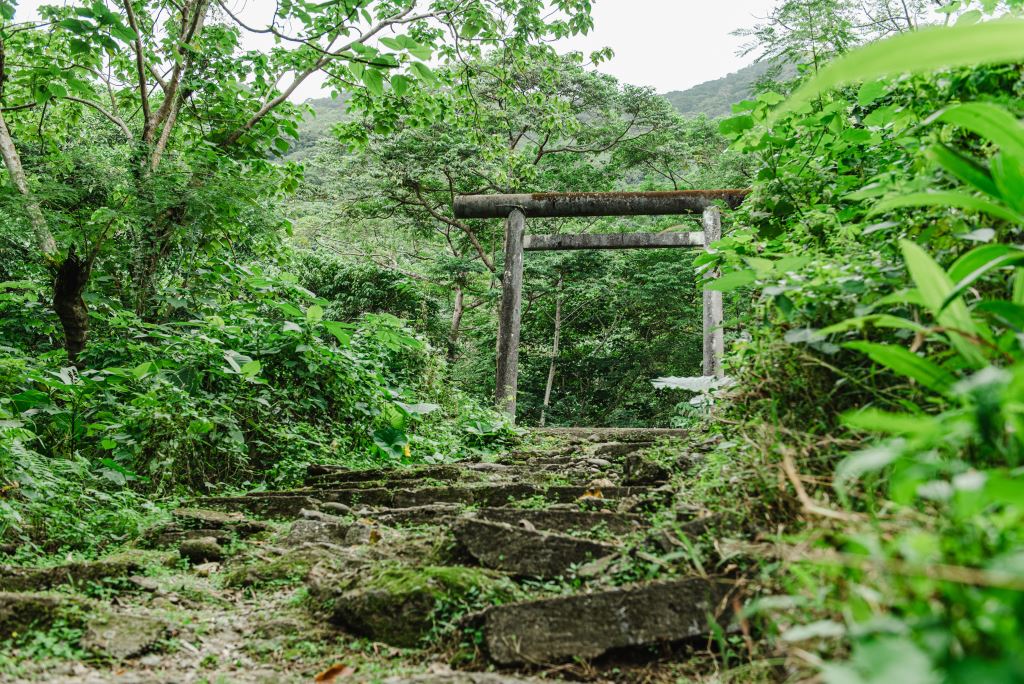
<point>567,560</point>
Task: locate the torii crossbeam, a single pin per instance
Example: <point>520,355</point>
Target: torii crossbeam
<point>517,208</point>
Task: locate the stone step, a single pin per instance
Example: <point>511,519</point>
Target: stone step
<point>466,678</point>
<point>288,504</point>
<point>525,553</point>
<point>601,435</point>
<point>565,520</point>
<point>14,578</point>
<point>581,470</point>
<point>282,506</point>
<point>320,474</point>
<point>480,495</point>
<point>588,625</point>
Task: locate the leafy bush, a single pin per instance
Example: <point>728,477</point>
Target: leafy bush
<point>254,386</point>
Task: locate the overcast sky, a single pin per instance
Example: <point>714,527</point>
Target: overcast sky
<point>671,44</point>
<point>667,44</point>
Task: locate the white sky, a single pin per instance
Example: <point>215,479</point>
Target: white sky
<point>667,44</point>
<point>670,44</point>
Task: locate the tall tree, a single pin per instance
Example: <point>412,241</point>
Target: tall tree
<point>188,106</point>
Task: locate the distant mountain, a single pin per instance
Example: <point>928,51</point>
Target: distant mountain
<point>716,98</point>
<point>327,112</point>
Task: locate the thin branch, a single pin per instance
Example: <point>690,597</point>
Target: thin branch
<point>329,55</point>
<point>140,64</point>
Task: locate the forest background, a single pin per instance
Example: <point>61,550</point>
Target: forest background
<point>199,293</point>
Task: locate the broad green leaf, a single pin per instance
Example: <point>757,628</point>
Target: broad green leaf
<point>949,198</point>
<point>730,281</point>
<point>978,257</point>
<point>877,320</point>
<point>314,314</point>
<point>400,84</point>
<point>874,420</point>
<point>966,169</point>
<point>423,72</point>
<point>374,82</point>
<point>251,369</point>
<point>736,124</point>
<point>417,409</point>
<point>1009,177</point>
<point>989,121</point>
<point>341,331</point>
<point>919,51</point>
<point>1017,295</point>
<point>871,91</point>
<point>907,364</point>
<point>1007,313</point>
<point>1014,256</point>
<point>123,33</point>
<point>935,287</point>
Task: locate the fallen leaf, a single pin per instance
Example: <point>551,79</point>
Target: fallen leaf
<point>335,672</point>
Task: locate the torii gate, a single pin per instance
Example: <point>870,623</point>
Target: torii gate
<point>516,208</point>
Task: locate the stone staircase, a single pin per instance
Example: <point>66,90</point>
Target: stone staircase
<point>521,565</point>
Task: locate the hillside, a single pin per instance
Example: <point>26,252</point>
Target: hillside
<point>715,98</point>
<point>325,115</point>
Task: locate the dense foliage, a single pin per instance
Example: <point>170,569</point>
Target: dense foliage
<point>881,264</point>
<point>184,308</point>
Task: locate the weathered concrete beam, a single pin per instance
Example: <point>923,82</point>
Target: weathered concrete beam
<point>542,243</point>
<point>573,204</point>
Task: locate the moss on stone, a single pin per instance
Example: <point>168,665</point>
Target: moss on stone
<point>401,605</point>
<point>290,567</point>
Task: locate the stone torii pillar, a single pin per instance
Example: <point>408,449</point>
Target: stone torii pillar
<point>516,208</point>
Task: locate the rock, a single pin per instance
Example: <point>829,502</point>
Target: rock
<point>14,578</point>
<point>688,460</point>
<point>414,515</point>
<point>123,636</point>
<point>281,627</point>
<point>588,625</point>
<point>207,519</point>
<point>595,568</point>
<point>319,476</point>
<point>640,470</point>
<point>397,604</point>
<point>464,678</point>
<point>612,434</point>
<point>289,567</point>
<point>314,531</point>
<point>523,552</point>
<point>145,583</point>
<point>20,612</point>
<point>336,508</point>
<point>619,449</point>
<point>362,533</point>
<point>268,505</point>
<point>565,519</point>
<point>201,550</point>
<point>489,467</point>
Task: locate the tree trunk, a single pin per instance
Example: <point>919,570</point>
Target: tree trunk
<point>12,160</point>
<point>453,335</point>
<point>72,278</point>
<point>554,354</point>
